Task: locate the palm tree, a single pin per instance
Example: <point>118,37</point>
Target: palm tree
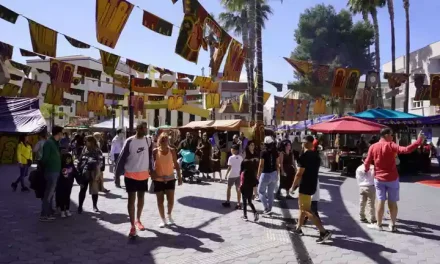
<point>406,6</point>
<point>369,7</point>
<point>390,4</point>
<point>240,19</point>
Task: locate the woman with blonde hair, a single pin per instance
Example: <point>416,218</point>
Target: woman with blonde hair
<point>90,167</point>
<point>164,181</point>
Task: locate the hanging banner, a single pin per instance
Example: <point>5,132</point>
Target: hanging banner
<point>265,97</point>
<point>109,60</point>
<point>235,106</point>
<point>138,102</point>
<point>186,86</point>
<point>435,89</point>
<point>395,79</point>
<point>367,94</point>
<point>339,81</point>
<point>303,110</point>
<point>26,69</point>
<point>194,110</point>
<point>234,62</point>
<point>81,109</point>
<point>30,88</point>
<point>121,80</point>
<point>144,86</point>
<point>419,80</point>
<point>191,35</point>
<point>92,101</point>
<point>53,95</point>
<point>6,51</point>
<point>302,67</point>
<point>10,90</point>
<point>184,75</point>
<point>137,66</point>
<point>76,43</point>
<point>278,107</point>
<point>290,109</point>
<point>164,84</point>
<point>87,72</point>
<point>175,102</point>
<point>352,83</point>
<point>8,15</point>
<point>201,81</point>
<point>44,40</point>
<point>178,92</point>
<point>372,79</point>
<point>174,1</point>
<point>319,106</point>
<point>163,71</point>
<point>157,24</point>
<point>154,98</point>
<point>100,102</point>
<point>279,86</point>
<point>61,74</point>
<point>26,53</point>
<point>224,41</point>
<point>212,101</point>
<point>111,16</point>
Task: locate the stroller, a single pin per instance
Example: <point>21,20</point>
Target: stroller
<point>190,173</point>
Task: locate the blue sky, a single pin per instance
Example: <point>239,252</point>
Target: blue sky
<point>77,19</point>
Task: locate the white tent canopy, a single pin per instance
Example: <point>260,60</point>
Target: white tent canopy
<point>108,124</point>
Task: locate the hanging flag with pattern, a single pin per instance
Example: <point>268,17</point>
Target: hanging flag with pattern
<point>8,15</point>
<point>109,62</point>
<point>175,102</point>
<point>184,75</point>
<point>395,79</point>
<point>137,66</point>
<point>339,82</point>
<point>157,24</point>
<point>6,51</point>
<point>76,43</point>
<point>234,62</point>
<point>111,16</point>
<point>30,88</point>
<point>302,67</point>
<point>322,73</point>
<point>87,72</point>
<point>26,53</point>
<point>435,89</point>
<point>26,69</point>
<point>61,74</point>
<point>44,39</point>
<point>53,95</point>
<point>352,83</point>
<point>10,90</point>
<point>279,86</point>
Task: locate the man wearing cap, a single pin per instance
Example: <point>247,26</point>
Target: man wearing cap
<point>306,179</point>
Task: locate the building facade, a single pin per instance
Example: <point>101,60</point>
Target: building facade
<point>425,60</point>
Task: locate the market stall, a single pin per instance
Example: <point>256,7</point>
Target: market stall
<point>343,159</point>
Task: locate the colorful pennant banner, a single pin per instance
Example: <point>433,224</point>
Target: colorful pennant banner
<point>6,51</point>
<point>26,69</point>
<point>8,15</point>
<point>76,43</point>
<point>157,24</point>
<point>352,83</point>
<point>44,39</point>
<point>61,74</point>
<point>30,88</point>
<point>212,100</point>
<point>175,102</point>
<point>53,95</point>
<point>395,79</point>
<point>234,62</point>
<point>111,16</point>
<point>137,66</point>
<point>302,67</point>
<point>10,90</point>
<point>435,89</point>
<point>109,60</point>
<point>87,72</point>
<point>279,86</point>
<point>114,97</point>
<point>26,53</point>
<point>81,109</point>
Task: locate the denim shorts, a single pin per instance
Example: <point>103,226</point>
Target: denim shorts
<point>387,190</point>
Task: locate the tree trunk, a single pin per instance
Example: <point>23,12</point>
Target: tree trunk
<point>407,57</point>
<point>251,7</point>
<point>377,51</point>
<point>259,53</point>
<point>245,37</point>
<point>390,4</point>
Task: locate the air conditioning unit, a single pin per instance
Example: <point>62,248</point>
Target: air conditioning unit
<point>4,74</point>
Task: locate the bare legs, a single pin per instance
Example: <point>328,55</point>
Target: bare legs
<point>161,207</point>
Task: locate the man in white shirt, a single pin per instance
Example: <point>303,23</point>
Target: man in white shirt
<point>367,192</point>
<point>233,176</point>
<point>115,150</point>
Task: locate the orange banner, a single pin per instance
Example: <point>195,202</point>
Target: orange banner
<point>61,74</point>
<point>339,81</point>
<point>234,62</point>
<point>44,40</point>
<point>54,95</point>
<point>30,88</point>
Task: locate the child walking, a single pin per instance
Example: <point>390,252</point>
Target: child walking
<point>367,192</point>
<point>65,184</point>
<point>233,176</point>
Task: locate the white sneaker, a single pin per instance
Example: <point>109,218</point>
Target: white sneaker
<point>170,220</point>
<point>162,224</point>
<point>63,214</point>
<point>68,213</point>
<point>375,226</point>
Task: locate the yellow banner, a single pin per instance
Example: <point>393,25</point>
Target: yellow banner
<point>212,101</point>
<point>175,102</point>
<point>265,97</point>
<point>195,111</point>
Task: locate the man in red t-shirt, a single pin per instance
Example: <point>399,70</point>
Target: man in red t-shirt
<point>386,179</point>
<point>315,144</point>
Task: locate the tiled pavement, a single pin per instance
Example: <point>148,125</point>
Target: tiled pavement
<point>207,233</point>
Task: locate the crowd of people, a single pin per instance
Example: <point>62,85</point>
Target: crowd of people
<point>258,173</point>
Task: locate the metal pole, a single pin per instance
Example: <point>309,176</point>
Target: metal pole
<point>113,108</point>
<point>131,107</point>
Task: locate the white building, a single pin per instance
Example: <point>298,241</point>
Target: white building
<point>425,60</point>
<point>230,90</point>
<point>164,116</point>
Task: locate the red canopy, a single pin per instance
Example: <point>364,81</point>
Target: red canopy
<point>347,125</point>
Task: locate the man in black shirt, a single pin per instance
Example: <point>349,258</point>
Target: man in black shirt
<point>307,179</point>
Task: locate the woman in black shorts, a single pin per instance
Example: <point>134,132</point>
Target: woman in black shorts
<point>164,182</point>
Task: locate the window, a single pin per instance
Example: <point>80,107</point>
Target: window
<point>192,118</point>
<point>83,79</point>
<point>416,104</point>
<point>168,118</point>
<point>99,83</point>
<point>107,80</point>
<point>179,118</point>
<point>71,109</point>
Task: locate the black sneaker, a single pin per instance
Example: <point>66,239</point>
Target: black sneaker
<point>373,222</point>
<point>323,237</point>
<point>256,216</point>
<point>364,220</point>
<point>226,204</point>
<point>80,210</point>
<point>297,231</point>
<point>14,186</point>
<point>244,218</point>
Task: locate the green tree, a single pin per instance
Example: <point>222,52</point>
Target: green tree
<point>369,7</point>
<point>330,38</point>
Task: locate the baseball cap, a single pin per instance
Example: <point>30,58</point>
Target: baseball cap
<point>308,139</point>
<point>268,140</point>
<point>235,147</point>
